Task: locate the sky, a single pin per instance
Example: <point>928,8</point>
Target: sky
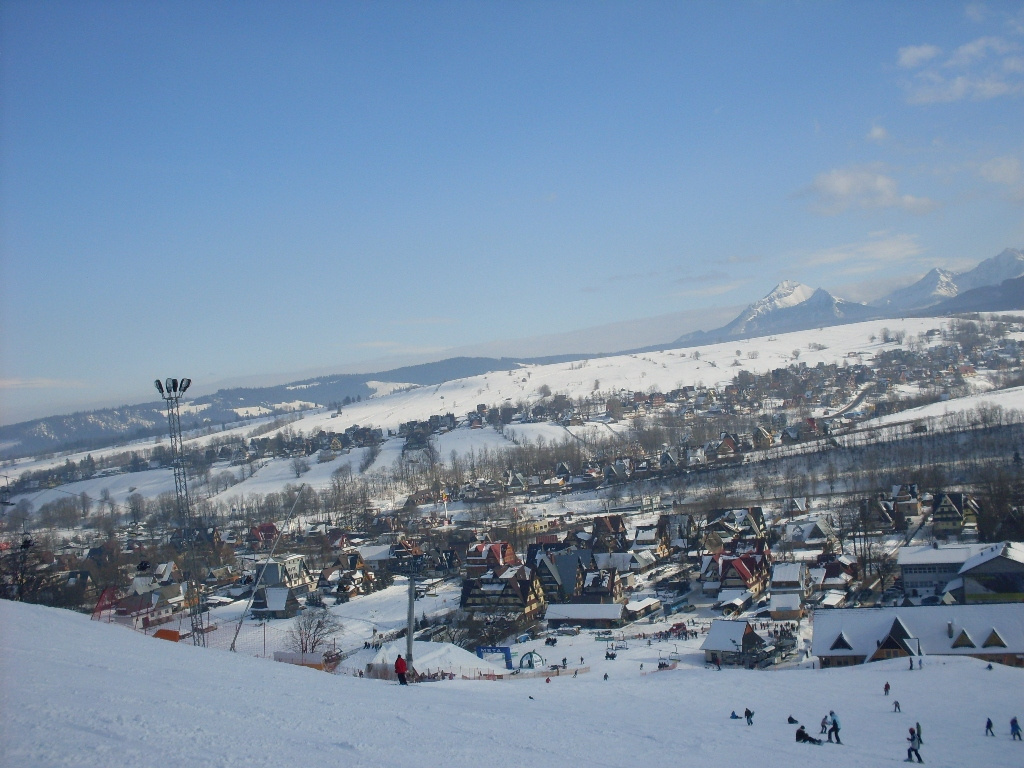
<point>229,190</point>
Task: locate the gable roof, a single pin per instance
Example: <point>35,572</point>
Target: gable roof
<point>725,635</point>
<point>938,630</point>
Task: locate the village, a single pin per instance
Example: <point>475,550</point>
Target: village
<point>729,519</point>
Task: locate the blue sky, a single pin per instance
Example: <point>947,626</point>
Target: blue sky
<point>233,189</point>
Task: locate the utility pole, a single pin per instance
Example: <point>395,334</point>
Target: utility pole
<point>171,391</point>
<point>411,617</point>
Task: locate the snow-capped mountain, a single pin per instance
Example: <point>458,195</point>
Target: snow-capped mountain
<point>791,306</point>
<point>940,285</point>
<point>1007,265</point>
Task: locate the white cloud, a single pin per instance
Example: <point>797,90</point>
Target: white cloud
<point>976,50</point>
<point>912,56</point>
<point>41,384</point>
<point>877,133</point>
<point>976,12</point>
<point>984,68</point>
<point>882,250</point>
<point>864,187</point>
<point>1001,170</point>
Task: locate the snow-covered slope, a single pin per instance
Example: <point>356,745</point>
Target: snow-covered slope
<point>80,693</point>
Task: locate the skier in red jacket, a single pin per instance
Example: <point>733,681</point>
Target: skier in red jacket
<point>400,669</point>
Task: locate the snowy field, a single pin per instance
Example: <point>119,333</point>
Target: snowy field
<point>80,693</point>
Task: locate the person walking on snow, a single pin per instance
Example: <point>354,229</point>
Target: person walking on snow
<point>911,663</point>
<point>988,728</point>
<point>749,715</point>
<point>399,670</point>
<point>886,689</point>
<point>915,742</point>
<point>834,719</point>
<point>1015,730</point>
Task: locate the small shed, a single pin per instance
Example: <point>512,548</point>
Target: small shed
<point>732,642</point>
<point>275,603</point>
<point>786,606</point>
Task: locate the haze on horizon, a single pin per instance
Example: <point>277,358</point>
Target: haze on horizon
<point>225,191</point>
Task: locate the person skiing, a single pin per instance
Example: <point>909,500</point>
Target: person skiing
<point>915,742</point>
<point>886,689</point>
<point>824,724</point>
<point>400,669</point>
<point>605,675</point>
<point>803,736</point>
<point>749,715</point>
<point>834,727</point>
<point>988,727</point>
<point>1015,730</point>
<point>896,706</point>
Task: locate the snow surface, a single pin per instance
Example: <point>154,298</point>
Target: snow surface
<point>79,693</point>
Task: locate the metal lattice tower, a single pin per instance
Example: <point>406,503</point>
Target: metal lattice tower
<point>171,391</point>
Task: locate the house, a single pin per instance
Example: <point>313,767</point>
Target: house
<point>503,591</point>
<point>994,575</point>
<point>792,578</point>
<point>928,568</point>
<point>610,534</point>
<point>786,606</point>
<point>732,642</point>
<point>952,512</point>
<point>275,603</point>
<point>286,571</point>
<point>601,586</point>
<point>561,573</point>
<point>993,633</point>
<point>484,556</point>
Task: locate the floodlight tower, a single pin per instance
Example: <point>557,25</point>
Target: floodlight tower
<point>171,391</point>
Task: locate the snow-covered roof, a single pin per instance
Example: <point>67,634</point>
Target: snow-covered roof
<point>277,598</point>
<point>590,611</point>
<point>833,599</point>
<point>643,605</point>
<point>788,572</point>
<point>931,625</point>
<point>928,554</point>
<point>724,635</point>
<point>785,601</point>
<point>1011,550</point>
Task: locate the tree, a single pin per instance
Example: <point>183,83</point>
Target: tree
<point>312,629</point>
<point>300,466</point>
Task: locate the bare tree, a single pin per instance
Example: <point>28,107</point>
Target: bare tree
<point>312,629</point>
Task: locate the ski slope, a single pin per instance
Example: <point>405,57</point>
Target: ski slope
<point>80,693</point>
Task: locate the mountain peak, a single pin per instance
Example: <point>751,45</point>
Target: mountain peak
<point>788,293</point>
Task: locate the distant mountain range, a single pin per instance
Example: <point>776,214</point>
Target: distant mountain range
<point>996,284</point>
<point>792,306</point>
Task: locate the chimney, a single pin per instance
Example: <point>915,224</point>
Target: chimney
<point>949,629</point>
